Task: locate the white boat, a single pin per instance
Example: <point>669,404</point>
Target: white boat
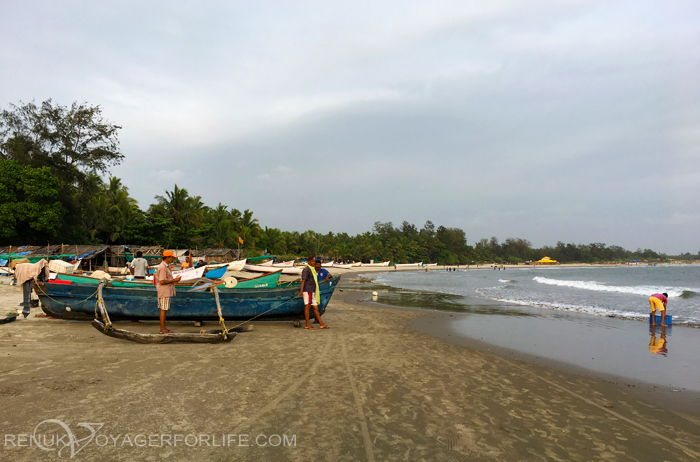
<point>430,265</point>
<point>284,264</point>
<point>327,265</point>
<point>408,265</point>
<point>186,274</point>
<point>267,263</point>
<point>386,263</point>
<point>266,269</point>
<point>357,263</point>
<point>237,265</point>
<point>341,266</point>
<point>232,265</point>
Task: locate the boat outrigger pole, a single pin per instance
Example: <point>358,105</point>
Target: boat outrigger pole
<point>105,326</point>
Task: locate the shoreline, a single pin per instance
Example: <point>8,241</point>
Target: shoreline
<point>369,388</point>
<point>440,323</point>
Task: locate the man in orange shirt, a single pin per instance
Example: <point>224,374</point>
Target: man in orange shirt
<point>165,285</point>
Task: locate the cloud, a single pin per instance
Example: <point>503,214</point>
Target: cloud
<point>547,120</point>
<point>170,175</point>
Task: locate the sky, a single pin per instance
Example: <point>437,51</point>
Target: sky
<point>574,121</point>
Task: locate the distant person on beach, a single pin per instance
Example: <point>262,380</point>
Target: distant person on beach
<point>322,274</point>
<point>658,302</point>
<point>27,274</point>
<point>139,266</point>
<point>200,263</point>
<point>165,284</point>
<point>310,293</point>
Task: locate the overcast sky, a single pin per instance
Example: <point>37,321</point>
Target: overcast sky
<point>576,121</point>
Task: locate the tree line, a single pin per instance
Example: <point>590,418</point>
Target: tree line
<point>53,159</point>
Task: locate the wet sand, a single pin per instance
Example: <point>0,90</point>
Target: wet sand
<point>370,388</point>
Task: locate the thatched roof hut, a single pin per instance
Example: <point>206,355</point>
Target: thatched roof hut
<point>215,255</point>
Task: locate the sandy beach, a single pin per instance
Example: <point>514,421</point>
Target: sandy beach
<point>370,388</point>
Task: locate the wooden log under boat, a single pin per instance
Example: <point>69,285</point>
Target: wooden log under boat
<point>7,319</point>
<point>163,338</point>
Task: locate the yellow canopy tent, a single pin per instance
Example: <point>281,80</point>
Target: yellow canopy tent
<point>546,260</point>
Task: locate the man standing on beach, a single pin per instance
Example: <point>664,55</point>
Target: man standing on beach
<point>322,274</point>
<point>165,284</point>
<point>310,293</point>
<point>658,301</point>
<point>139,266</point>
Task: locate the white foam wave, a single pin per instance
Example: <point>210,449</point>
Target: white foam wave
<point>593,285</point>
<point>596,310</point>
<point>505,280</point>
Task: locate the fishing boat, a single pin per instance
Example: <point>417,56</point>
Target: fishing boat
<point>185,274</point>
<point>265,269</point>
<point>270,279</point>
<point>217,273</point>
<point>327,265</point>
<point>357,263</point>
<point>284,264</point>
<point>76,278</point>
<point>430,265</point>
<point>77,301</point>
<point>266,263</point>
<point>386,263</point>
<point>408,265</point>
<point>237,265</point>
<point>342,266</point>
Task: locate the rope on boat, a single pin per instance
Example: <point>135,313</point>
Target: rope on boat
<point>63,303</point>
<point>256,316</point>
<point>224,330</point>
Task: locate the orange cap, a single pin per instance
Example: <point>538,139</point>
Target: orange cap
<point>168,253</point>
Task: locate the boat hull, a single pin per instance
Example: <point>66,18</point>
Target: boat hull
<point>217,273</point>
<point>77,301</point>
<point>265,269</point>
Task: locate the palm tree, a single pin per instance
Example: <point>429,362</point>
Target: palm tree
<point>248,227</point>
<point>221,231</point>
<point>181,208</point>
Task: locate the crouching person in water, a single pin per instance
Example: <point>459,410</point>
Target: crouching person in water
<point>310,293</point>
<point>658,302</point>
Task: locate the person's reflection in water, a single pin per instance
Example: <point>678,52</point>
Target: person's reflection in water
<point>658,346</point>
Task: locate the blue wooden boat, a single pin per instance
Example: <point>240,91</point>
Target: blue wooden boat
<point>77,301</point>
<point>217,273</point>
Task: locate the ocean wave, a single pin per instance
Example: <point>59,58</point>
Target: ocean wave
<point>505,280</point>
<point>636,290</point>
<point>596,310</point>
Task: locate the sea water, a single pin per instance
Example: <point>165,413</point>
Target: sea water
<point>595,318</point>
<point>616,291</point>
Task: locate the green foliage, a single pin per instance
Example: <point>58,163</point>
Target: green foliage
<point>72,141</point>
<point>75,143</point>
<point>28,206</point>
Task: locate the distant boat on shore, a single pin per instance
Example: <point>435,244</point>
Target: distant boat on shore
<point>386,263</point>
<point>265,269</point>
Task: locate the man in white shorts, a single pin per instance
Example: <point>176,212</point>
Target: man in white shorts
<point>309,292</point>
<point>165,284</point>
